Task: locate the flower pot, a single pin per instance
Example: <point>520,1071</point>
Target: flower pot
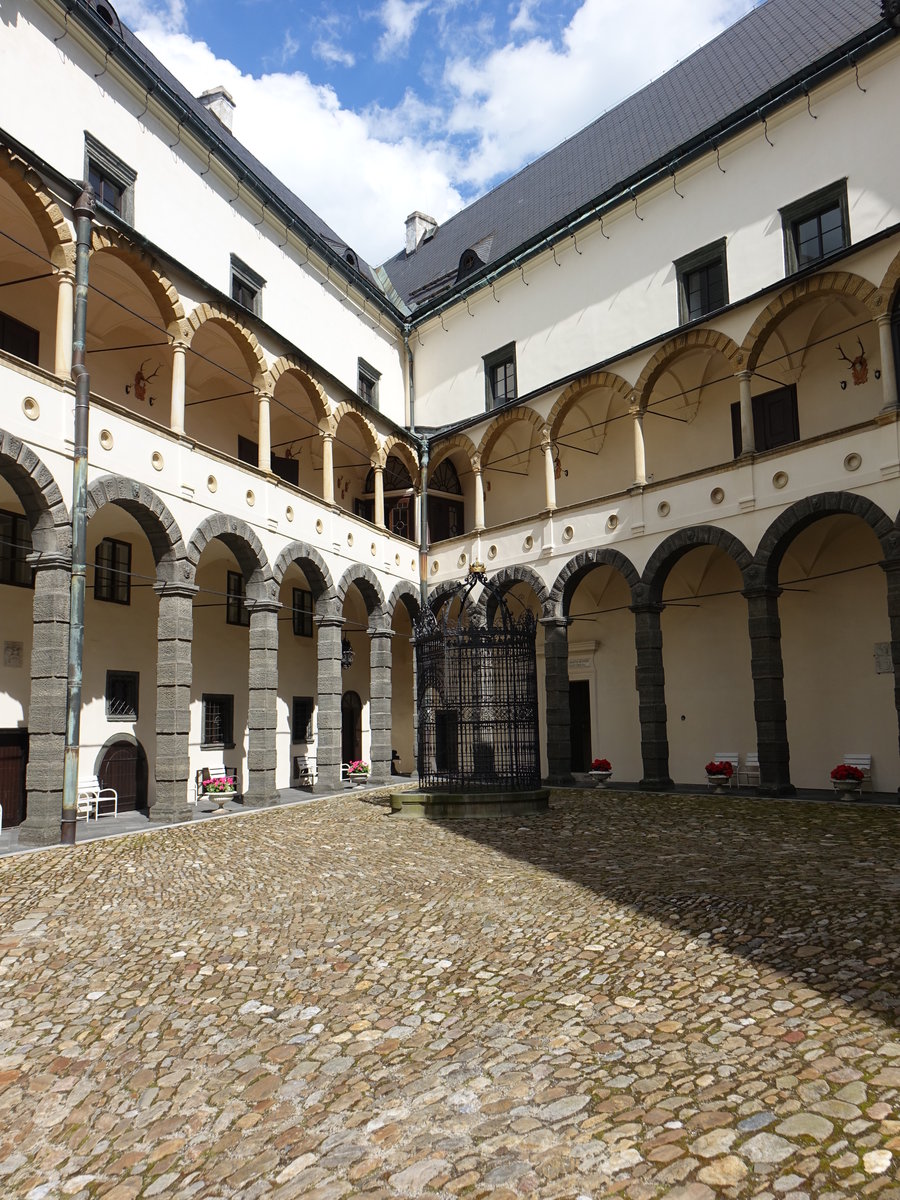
<point>600,777</point>
<point>847,789</point>
<point>359,778</point>
<point>718,783</point>
<point>219,798</point>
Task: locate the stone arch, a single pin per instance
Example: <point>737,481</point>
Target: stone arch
<point>369,588</point>
<point>582,564</point>
<point>588,383</point>
<point>400,449</point>
<point>675,348</point>
<point>407,595</point>
<point>442,593</point>
<point>244,545</point>
<point>288,365</point>
<point>889,286</point>
<point>245,341</point>
<point>163,292</point>
<point>38,494</point>
<point>46,214</point>
<point>314,567</point>
<point>835,283</point>
<point>793,520</point>
<point>498,425</point>
<point>506,579</point>
<point>363,424</point>
<point>680,543</point>
<point>459,441</point>
<point>158,524</point>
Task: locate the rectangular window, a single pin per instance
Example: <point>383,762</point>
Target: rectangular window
<point>19,339</point>
<point>500,376</point>
<point>302,719</point>
<point>702,282</point>
<point>303,612</point>
<point>112,571</point>
<point>110,177</point>
<point>122,695</point>
<point>15,546</point>
<point>367,382</point>
<point>218,722</point>
<point>246,286</point>
<point>285,468</point>
<point>815,227</point>
<point>236,612</point>
<point>775,420</point>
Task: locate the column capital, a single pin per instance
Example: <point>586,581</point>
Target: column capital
<point>328,621</point>
<point>754,591</point>
<point>262,604</point>
<point>173,588</point>
<point>49,560</point>
<point>65,275</point>
<point>646,606</point>
<point>743,374</point>
<point>555,622</point>
<point>883,318</point>
<point>380,631</point>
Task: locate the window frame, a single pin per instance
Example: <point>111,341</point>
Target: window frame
<point>715,253</point>
<point>236,611</point>
<point>226,703</point>
<point>131,679</point>
<point>110,581</point>
<point>308,735</point>
<point>16,332</point>
<point>762,404</point>
<point>505,356</point>
<point>12,563</point>
<point>302,614</point>
<point>814,205</point>
<point>99,159</point>
<point>246,277</point>
<point>367,381</point>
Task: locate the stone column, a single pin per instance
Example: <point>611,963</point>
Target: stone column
<point>328,468</point>
<point>892,570</point>
<point>176,410</point>
<point>479,495</point>
<point>549,471</point>
<point>47,707</point>
<point>329,690</point>
<point>380,702</point>
<point>263,693</point>
<point>891,402</point>
<point>651,686</point>
<point>379,495</point>
<point>65,309</point>
<point>556,690</point>
<point>174,674</point>
<point>264,432</point>
<point>640,457</point>
<point>769,708</point>
<point>748,435</point>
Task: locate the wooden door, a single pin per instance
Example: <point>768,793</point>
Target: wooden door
<point>580,723</point>
<point>13,759</point>
<point>351,727</point>
<point>124,767</point>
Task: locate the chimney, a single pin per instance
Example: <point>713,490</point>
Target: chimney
<point>419,228</point>
<point>220,104</point>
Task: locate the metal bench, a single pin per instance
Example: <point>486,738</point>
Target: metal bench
<point>91,794</point>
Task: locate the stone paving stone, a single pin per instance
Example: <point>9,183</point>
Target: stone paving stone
<point>689,997</point>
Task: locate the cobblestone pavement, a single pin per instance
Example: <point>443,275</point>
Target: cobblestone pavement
<point>646,997</point>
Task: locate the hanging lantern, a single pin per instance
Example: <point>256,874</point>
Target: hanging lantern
<point>346,654</point>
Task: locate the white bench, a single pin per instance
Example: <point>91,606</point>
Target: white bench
<point>864,762</point>
<point>729,756</point>
<point>304,772</point>
<point>91,795</point>
<point>749,773</point>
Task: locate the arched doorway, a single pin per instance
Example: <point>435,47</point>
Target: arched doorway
<point>123,766</point>
<point>351,727</point>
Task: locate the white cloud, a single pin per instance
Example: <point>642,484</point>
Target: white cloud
<point>332,54</point>
<point>399,18</point>
<point>523,21</point>
<point>169,16</point>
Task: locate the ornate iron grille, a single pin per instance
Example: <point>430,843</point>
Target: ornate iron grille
<point>476,691</point>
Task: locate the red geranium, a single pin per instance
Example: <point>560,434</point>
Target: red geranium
<point>719,768</point>
<point>844,771</point>
<point>601,764</point>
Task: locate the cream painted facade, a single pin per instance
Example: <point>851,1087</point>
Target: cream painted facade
<point>694,595</point>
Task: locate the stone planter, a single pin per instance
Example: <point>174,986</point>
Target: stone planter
<point>219,798</point>
<point>599,778</point>
<point>719,783</point>
<point>847,789</point>
<point>359,778</point>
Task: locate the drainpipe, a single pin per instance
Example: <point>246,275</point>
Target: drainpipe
<point>423,471</point>
<point>84,216</point>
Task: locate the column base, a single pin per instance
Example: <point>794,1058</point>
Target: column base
<point>560,779</point>
<point>36,832</point>
<point>776,791</point>
<point>260,799</point>
<point>655,785</point>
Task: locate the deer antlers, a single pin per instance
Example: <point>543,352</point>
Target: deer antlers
<point>853,361</point>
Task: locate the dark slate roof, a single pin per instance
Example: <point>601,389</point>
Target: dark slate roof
<point>776,45</point>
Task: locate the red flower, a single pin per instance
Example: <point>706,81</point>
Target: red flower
<point>719,768</point>
<point>601,764</point>
<point>844,771</point>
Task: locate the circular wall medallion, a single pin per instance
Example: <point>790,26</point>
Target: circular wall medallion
<point>397,559</point>
<point>412,564</point>
<point>157,461</point>
<point>289,513</point>
<point>251,498</point>
<point>664,508</point>
<point>612,522</point>
<point>568,533</point>
<point>106,439</point>
<point>852,462</point>
<point>211,483</point>
<point>349,539</point>
<point>528,543</point>
<point>373,549</point>
<point>435,567</point>
<point>31,408</point>
<point>319,526</point>
<point>717,495</point>
<point>780,479</point>
<point>492,552</point>
<point>461,561</point>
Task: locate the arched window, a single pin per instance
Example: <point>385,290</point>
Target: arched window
<point>398,495</point>
<point>445,515</point>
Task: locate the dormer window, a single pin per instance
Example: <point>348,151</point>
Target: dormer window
<point>468,262</point>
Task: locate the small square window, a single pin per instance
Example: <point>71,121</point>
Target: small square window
<point>236,612</point>
<point>303,612</point>
<point>112,571</point>
<point>122,689</point>
<point>110,177</point>
<point>302,719</point>
<point>815,227</point>
<point>702,282</point>
<point>19,339</point>
<point>15,546</point>
<point>367,383</point>
<point>246,286</point>
<point>218,722</point>
<point>500,376</point>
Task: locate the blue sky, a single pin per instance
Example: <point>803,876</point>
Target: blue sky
<point>371,110</point>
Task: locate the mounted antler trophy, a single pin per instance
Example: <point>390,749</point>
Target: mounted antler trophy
<point>859,366</point>
<point>140,383</point>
